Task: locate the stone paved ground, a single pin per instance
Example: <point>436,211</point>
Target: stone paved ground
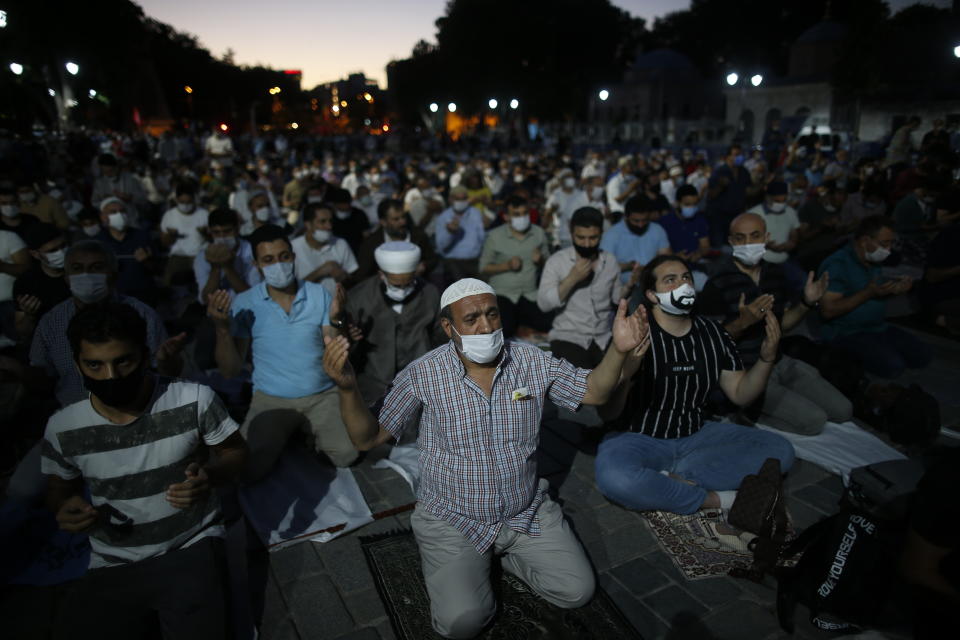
<point>325,591</point>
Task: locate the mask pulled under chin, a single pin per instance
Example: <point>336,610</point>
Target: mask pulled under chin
<point>481,348</point>
<point>678,302</point>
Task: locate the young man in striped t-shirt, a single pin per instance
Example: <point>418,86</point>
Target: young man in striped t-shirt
<point>672,458</point>
<point>130,466</point>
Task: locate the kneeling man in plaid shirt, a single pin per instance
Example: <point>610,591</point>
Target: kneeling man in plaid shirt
<point>481,403</point>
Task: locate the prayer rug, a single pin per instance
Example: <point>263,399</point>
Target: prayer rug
<point>687,541</point>
<point>395,564</point>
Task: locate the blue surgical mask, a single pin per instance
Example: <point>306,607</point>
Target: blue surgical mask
<point>688,212</point>
<point>278,275</point>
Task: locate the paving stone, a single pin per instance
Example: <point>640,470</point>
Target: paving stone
<point>385,629</point>
<point>617,547</point>
<point>283,629</point>
<point>346,564</point>
<point>818,498</point>
<point>365,607</point>
<point>804,473</point>
<point>274,606</point>
<point>743,619</point>
<point>671,601</point>
<point>377,527</point>
<point>584,524</point>
<point>713,592</point>
<point>317,609</point>
<point>640,616</point>
<point>639,577</point>
<point>664,564</point>
<point>396,491</point>
<point>611,517</point>
<point>296,562</point>
<point>367,633</point>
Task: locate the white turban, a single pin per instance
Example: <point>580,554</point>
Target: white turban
<point>397,257</point>
<point>463,289</point>
<point>110,200</point>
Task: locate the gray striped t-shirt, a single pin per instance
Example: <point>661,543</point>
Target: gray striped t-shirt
<point>128,467</point>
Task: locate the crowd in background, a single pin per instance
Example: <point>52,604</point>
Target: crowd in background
<point>189,230</point>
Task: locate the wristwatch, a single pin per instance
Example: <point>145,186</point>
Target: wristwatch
<point>337,324</point>
<point>803,300</point>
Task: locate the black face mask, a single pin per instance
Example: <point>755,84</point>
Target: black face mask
<point>114,392</point>
<point>638,230</point>
<point>587,252</point>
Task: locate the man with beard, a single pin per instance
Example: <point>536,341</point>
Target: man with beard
<point>396,314</point>
<point>635,240</point>
<point>394,227</point>
<point>670,456</point>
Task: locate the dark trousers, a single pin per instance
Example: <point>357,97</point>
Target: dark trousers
<point>886,353</point>
<point>182,592</point>
<point>576,355</point>
<point>522,312</point>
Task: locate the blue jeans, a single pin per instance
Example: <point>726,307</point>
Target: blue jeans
<point>886,353</point>
<point>716,458</point>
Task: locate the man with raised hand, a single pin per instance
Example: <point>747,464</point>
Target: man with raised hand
<point>481,401</point>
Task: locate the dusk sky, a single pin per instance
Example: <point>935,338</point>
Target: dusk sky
<point>327,40</point>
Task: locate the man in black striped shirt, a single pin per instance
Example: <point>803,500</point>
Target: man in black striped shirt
<point>672,458</point>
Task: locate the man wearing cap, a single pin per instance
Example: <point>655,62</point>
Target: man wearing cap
<point>481,402</point>
<point>397,314</point>
<point>459,234</point>
<point>133,248</point>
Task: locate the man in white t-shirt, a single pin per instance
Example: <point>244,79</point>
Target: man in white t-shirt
<point>321,256</point>
<point>132,466</point>
<point>560,207</point>
<point>782,222</point>
<point>14,261</point>
<point>219,148</point>
<point>622,186</point>
<point>423,202</point>
<point>182,230</point>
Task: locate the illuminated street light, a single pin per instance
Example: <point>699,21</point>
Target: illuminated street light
<point>434,107</point>
<point>514,103</point>
<point>188,89</point>
<point>956,51</point>
<point>343,103</point>
<point>92,93</point>
<point>368,97</point>
<point>294,125</point>
<point>72,68</point>
<point>336,109</point>
<point>16,68</point>
<point>223,127</point>
<point>386,128</point>
<point>732,79</point>
<point>3,19</point>
<point>274,91</point>
<point>756,80</point>
<point>451,107</point>
<point>51,92</point>
<point>492,103</point>
<point>603,95</point>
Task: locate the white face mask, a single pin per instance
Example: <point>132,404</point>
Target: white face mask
<point>92,230</point>
<point>229,241</point>
<point>597,194</point>
<point>28,197</point>
<point>481,348</point>
<point>678,302</point>
<point>117,220</point>
<point>278,275</point>
<point>185,207</point>
<point>314,199</point>
<point>520,223</point>
<point>460,205</point>
<point>9,210</point>
<point>688,212</point>
<point>262,214</point>
<point>341,215</point>
<point>321,235</point>
<point>569,183</point>
<point>749,254</point>
<point>55,194</point>
<point>429,192</point>
<point>778,207</point>
<point>55,259</point>
<point>878,255</point>
<point>89,287</point>
<point>397,294</point>
<point>366,200</point>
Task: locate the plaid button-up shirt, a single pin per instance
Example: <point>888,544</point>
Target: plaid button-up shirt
<point>476,452</point>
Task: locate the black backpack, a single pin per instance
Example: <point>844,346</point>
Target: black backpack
<point>845,576</point>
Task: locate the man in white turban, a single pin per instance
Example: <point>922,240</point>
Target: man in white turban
<point>393,316</point>
<point>480,402</point>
